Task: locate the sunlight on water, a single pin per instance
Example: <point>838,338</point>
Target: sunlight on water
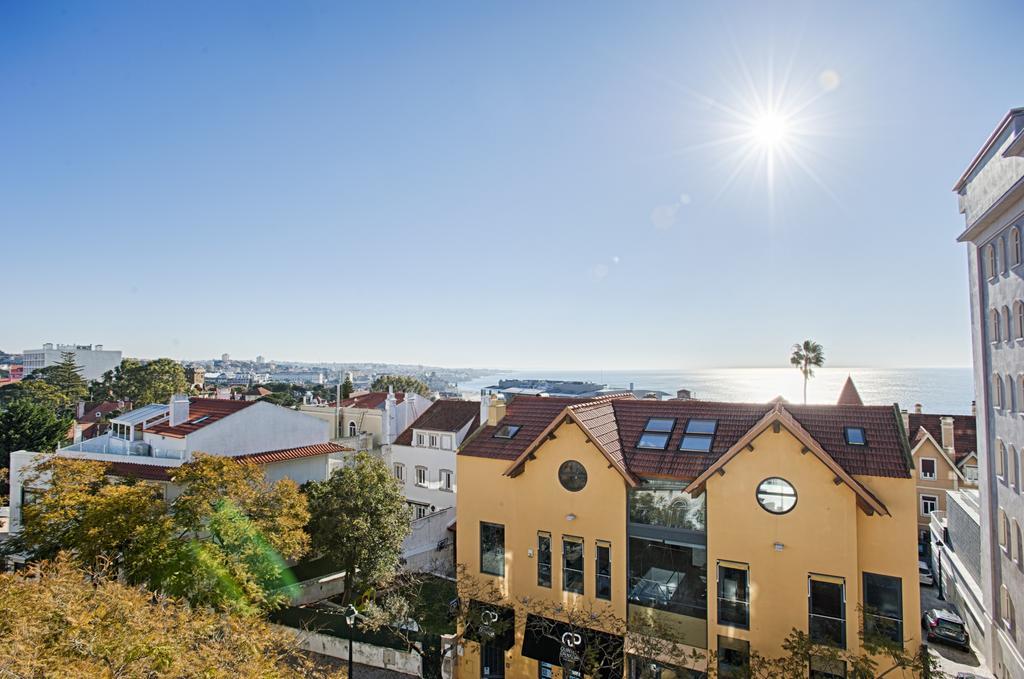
<point>940,390</point>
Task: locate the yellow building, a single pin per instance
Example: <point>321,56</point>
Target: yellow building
<point>589,527</point>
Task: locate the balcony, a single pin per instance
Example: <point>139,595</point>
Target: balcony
<point>112,445</point>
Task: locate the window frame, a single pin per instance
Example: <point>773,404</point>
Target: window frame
<point>426,476</point>
<point>934,502</point>
<point>935,469</point>
<point>605,577</point>
<point>399,471</point>
<point>743,601</point>
<point>498,527</point>
<point>826,580</point>
<point>757,496</point>
<point>863,436</point>
<point>506,431</point>
<point>446,481</point>
<point>543,536</point>
<point>897,637</point>
<point>434,441</point>
<point>574,540</point>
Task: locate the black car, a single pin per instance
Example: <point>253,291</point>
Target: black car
<point>946,627</point>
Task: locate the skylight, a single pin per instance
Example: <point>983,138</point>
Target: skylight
<point>698,436</point>
<point>656,433</point>
<point>200,419</point>
<point>507,431</point>
<point>855,436</point>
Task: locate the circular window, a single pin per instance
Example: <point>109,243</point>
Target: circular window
<point>776,495</point>
<point>572,475</point>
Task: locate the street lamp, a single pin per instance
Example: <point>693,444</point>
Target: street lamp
<point>350,619</point>
<point>938,545</point>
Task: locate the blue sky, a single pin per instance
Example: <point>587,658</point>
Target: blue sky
<point>515,185</point>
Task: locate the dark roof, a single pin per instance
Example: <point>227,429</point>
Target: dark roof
<point>152,472</point>
<point>849,395</point>
<point>371,399</point>
<point>965,436</point>
<point>212,409</point>
<point>532,413</point>
<point>617,425</point>
<point>448,415</point>
<point>95,411</point>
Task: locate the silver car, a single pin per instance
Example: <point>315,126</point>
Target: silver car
<point>925,574</point>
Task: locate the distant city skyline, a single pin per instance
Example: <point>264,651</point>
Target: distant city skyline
<point>535,186</point>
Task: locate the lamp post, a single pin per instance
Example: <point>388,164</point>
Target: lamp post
<point>938,546</point>
<point>350,619</point>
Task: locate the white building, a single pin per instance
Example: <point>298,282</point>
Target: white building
<point>991,195</point>
<point>422,457</point>
<point>370,420</point>
<point>149,442</point>
<point>92,358</point>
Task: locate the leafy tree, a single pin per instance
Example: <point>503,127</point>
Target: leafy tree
<point>60,621</point>
<point>359,519</point>
<point>66,375</point>
<point>400,383</point>
<point>112,383</point>
<point>222,542</point>
<point>806,357</point>
<point>347,388</point>
<point>36,391</point>
<point>153,382</point>
<point>27,425</point>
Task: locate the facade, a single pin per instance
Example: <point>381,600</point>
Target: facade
<point>149,442</point>
<point>370,420</point>
<point>991,198</point>
<point>710,526</point>
<point>943,448</point>
<point>423,456</point>
<point>956,559</point>
<point>93,359</point>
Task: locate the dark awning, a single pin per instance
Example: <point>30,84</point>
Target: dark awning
<point>587,650</point>
<point>489,623</point>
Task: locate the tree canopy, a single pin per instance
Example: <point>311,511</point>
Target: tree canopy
<point>400,383</point>
<point>359,519</point>
<point>28,425</point>
<point>222,542</point>
<point>60,621</point>
<point>65,380</point>
<point>142,384</point>
<point>347,388</point>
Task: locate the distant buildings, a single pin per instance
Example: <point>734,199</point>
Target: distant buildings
<point>93,359</point>
<point>563,388</point>
<point>991,198</point>
<point>149,442</point>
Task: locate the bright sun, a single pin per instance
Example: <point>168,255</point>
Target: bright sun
<point>769,130</point>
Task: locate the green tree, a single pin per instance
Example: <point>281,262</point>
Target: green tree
<point>66,377</point>
<point>36,391</point>
<point>63,622</point>
<point>347,388</point>
<point>27,425</point>
<point>359,519</point>
<point>806,357</point>
<point>142,384</point>
<point>400,383</point>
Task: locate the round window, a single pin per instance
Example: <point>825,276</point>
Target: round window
<point>776,495</point>
<point>572,475</point>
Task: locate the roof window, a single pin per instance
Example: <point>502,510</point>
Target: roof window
<point>698,436</point>
<point>855,436</point>
<point>507,431</point>
<point>200,419</point>
<point>656,433</point>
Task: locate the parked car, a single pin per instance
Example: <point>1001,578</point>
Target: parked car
<point>924,574</point>
<point>946,627</point>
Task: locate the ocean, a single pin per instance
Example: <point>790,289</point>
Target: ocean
<point>939,390</point>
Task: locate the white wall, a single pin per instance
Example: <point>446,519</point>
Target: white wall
<point>260,427</point>
<point>434,460</point>
<point>406,662</point>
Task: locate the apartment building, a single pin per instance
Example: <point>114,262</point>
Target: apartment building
<point>93,359</point>
<point>991,198</point>
<point>423,456</point>
<point>371,419</point>
<point>149,442</point>
<point>586,524</point>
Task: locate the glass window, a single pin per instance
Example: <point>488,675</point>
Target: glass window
<point>492,548</point>
<point>971,473</point>
<point>696,444</point>
<point>419,439</point>
<point>669,506</point>
<point>433,440</point>
<point>928,504</point>
<point>701,426</point>
<point>668,577</point>
<point>544,559</point>
<point>660,424</point>
<point>421,476</point>
<point>927,468</point>
<point>827,668</point>
<point>776,495</point>
<point>446,442</point>
<point>507,431</point>
<point>655,441</point>
<point>446,479</point>
<point>733,596</point>
<point>604,571</point>
<point>855,436</point>
<point>883,607</point>
<point>400,471</point>
<point>572,565</point>
<point>827,612</point>
<point>733,657</point>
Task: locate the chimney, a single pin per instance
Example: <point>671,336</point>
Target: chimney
<point>495,410</point>
<point>974,408</point>
<point>179,409</point>
<point>917,408</point>
<point>631,386</point>
<point>484,401</point>
<point>906,421</point>
<point>947,433</point>
<point>684,395</point>
<point>80,409</point>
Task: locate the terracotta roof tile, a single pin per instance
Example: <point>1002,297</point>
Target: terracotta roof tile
<point>531,413</point>
<point>965,435</point>
<point>445,415</point>
<point>371,399</point>
<point>213,409</point>
<point>849,396</point>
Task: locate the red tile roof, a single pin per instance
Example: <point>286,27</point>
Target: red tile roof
<point>617,424</point>
<point>152,472</point>
<point>371,399</point>
<point>213,409</point>
<point>96,411</point>
<point>849,395</point>
<point>446,415</point>
<point>965,436</point>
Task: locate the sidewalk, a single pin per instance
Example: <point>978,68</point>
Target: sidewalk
<point>951,660</point>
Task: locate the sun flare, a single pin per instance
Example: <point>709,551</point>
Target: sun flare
<point>769,130</point>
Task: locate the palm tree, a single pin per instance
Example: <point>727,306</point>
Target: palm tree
<point>806,357</point>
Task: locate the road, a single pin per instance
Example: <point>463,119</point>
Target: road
<point>951,660</point>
